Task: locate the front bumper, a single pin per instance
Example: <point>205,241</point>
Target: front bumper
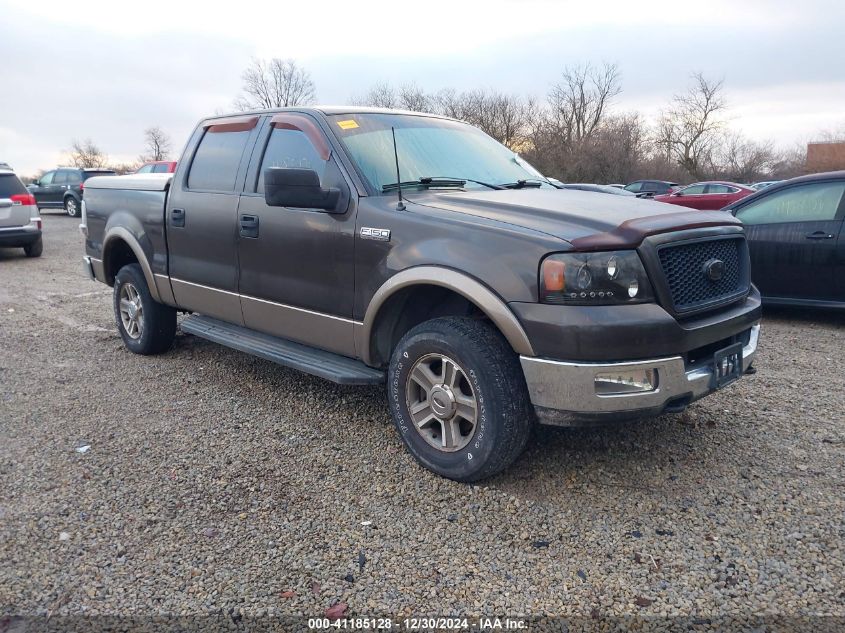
<point>566,393</point>
<point>19,235</point>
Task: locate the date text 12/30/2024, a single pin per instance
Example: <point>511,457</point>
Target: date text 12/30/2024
<point>419,624</point>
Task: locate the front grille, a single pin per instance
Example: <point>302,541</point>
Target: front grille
<point>685,269</point>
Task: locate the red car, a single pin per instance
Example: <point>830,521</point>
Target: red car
<point>157,167</point>
<point>711,195</point>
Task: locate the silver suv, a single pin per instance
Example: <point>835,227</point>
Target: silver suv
<point>20,224</point>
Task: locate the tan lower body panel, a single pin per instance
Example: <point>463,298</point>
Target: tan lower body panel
<point>212,302</point>
<point>296,324</point>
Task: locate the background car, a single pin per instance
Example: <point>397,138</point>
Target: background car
<point>710,195</point>
<point>796,240</point>
<point>62,188</point>
<point>157,167</point>
<point>20,225</point>
<point>758,186</point>
<point>650,188</point>
<point>597,188</point>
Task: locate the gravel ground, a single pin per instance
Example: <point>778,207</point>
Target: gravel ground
<point>216,481</point>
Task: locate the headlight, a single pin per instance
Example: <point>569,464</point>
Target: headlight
<point>594,279</point>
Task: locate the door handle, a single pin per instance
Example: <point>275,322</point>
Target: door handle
<point>177,217</point>
<point>249,226</point>
<point>819,235</point>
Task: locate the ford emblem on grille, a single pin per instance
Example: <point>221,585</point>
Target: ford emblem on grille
<point>714,269</point>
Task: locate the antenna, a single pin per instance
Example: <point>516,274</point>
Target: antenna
<point>401,205</point>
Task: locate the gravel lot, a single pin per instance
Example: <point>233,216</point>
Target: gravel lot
<point>216,481</point>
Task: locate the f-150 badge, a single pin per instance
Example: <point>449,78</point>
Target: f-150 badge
<point>382,235</point>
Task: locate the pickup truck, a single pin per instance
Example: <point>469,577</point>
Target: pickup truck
<point>372,246</point>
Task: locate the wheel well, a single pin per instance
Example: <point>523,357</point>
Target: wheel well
<point>118,255</point>
<point>409,307</point>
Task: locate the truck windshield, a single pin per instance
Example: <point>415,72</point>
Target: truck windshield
<point>430,150</point>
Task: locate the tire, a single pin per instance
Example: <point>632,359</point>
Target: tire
<point>72,206</point>
<point>146,326</point>
<point>467,359</point>
<point>35,249</point>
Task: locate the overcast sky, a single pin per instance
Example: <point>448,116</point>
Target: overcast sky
<point>107,70</point>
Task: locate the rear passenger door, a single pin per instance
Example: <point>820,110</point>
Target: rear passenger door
<point>792,236</point>
<point>297,265</point>
<point>202,218</point>
<point>719,196</point>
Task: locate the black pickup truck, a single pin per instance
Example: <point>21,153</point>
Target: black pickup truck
<point>372,246</point>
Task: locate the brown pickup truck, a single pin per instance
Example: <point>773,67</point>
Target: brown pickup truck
<point>372,246</point>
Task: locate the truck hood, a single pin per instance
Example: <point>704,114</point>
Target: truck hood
<point>587,219</point>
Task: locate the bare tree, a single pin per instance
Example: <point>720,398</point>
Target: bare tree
<point>689,129</point>
<point>157,145</point>
<point>579,102</point>
<point>381,95</point>
<point>275,83</point>
<point>87,154</point>
<point>744,160</point>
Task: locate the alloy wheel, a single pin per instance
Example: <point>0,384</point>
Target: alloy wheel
<point>131,311</point>
<point>441,402</point>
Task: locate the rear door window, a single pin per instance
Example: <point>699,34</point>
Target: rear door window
<point>161,168</point>
<point>720,189</point>
<point>146,169</point>
<point>215,163</point>
<point>61,177</point>
<point>10,186</point>
<point>694,190</point>
<point>74,177</point>
<point>634,187</point>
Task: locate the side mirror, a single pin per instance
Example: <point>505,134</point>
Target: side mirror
<point>300,188</point>
<point>678,193</point>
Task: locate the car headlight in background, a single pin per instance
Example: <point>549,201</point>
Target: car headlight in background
<point>594,279</point>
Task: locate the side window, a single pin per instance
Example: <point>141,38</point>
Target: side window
<point>720,189</point>
<point>694,190</point>
<point>634,187</point>
<point>73,177</point>
<point>290,148</point>
<point>161,168</point>
<point>215,164</point>
<point>146,169</point>
<point>805,203</point>
<point>60,178</point>
<point>47,179</point>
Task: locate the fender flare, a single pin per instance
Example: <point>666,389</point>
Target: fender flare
<point>471,289</point>
<point>119,232</point>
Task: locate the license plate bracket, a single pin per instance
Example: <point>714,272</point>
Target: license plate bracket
<point>727,365</point>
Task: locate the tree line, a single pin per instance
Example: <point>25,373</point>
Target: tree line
<point>574,133</point>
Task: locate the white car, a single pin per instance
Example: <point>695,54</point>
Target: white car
<point>20,224</point>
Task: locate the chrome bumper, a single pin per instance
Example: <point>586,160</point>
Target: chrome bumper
<point>565,393</point>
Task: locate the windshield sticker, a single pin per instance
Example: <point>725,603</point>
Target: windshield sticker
<point>348,124</point>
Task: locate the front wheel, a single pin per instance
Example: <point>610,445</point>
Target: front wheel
<point>146,326</point>
<point>458,398</point>
<point>71,206</point>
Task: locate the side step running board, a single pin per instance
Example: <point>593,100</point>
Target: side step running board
<point>317,362</point>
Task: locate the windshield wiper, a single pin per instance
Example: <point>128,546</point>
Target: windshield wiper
<point>526,183</point>
<point>437,181</point>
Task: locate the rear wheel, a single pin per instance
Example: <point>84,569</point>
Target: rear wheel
<point>35,249</point>
<point>146,326</point>
<point>458,398</point>
<point>71,206</point>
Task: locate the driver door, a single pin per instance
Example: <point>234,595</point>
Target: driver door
<point>296,277</point>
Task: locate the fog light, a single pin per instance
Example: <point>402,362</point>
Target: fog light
<point>626,382</point>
